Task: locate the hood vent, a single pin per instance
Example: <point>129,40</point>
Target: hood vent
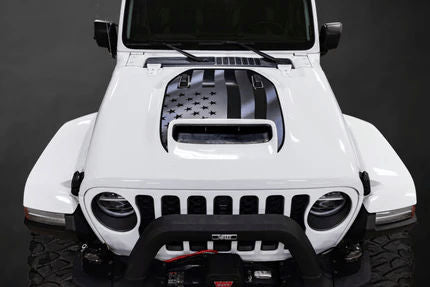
<point>238,61</point>
<point>222,134</point>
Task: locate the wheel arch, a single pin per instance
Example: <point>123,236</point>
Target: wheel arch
<point>392,186</point>
<point>49,184</point>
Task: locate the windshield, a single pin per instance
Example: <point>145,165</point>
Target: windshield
<point>208,24</point>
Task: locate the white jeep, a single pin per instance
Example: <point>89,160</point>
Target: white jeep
<point>213,163</point>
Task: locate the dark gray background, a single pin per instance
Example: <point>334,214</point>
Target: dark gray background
<point>51,71</point>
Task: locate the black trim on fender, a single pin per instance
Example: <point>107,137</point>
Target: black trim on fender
<point>373,229</point>
<point>265,227</point>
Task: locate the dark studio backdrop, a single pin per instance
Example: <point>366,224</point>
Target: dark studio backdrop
<point>51,72</point>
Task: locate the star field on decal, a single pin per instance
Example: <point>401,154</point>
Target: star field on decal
<point>213,103</point>
<point>196,103</point>
<point>171,111</point>
<point>213,93</point>
<point>197,94</point>
<point>178,116</point>
<point>212,113</point>
<point>205,108</point>
<point>181,95</point>
<point>205,98</point>
<point>189,99</point>
<point>188,109</point>
<point>196,113</point>
<point>179,105</point>
<point>173,100</point>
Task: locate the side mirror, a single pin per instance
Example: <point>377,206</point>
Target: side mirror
<point>106,35</point>
<point>330,36</point>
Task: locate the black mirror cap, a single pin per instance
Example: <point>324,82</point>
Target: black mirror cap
<point>330,36</point>
<point>106,36</point>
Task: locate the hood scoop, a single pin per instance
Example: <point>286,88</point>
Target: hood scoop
<point>221,94</point>
<point>222,133</point>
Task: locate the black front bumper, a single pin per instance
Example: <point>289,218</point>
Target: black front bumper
<point>240,227</point>
<point>141,269</point>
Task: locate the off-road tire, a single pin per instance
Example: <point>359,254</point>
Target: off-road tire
<point>392,260</point>
<point>51,261</point>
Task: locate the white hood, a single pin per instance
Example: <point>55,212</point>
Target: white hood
<point>127,151</point>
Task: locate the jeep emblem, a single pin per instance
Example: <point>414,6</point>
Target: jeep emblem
<point>227,237</point>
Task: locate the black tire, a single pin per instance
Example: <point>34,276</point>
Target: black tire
<point>392,260</point>
<point>51,261</point>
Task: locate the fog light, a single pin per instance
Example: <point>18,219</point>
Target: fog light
<point>45,217</point>
<point>395,215</point>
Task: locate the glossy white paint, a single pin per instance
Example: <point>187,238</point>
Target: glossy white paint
<point>48,185</point>
<point>392,184</point>
<point>323,151</point>
<point>126,149</point>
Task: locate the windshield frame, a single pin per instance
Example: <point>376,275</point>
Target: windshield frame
<point>193,45</point>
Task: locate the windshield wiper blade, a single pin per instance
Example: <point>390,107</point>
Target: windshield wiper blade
<point>186,54</point>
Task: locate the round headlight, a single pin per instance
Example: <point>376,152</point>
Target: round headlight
<point>329,204</point>
<point>329,211</point>
<point>114,205</point>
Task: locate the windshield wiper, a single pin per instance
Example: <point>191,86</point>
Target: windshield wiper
<point>265,56</point>
<point>186,54</point>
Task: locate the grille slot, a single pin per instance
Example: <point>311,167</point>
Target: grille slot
<point>197,205</point>
<point>248,205</point>
<point>145,203</point>
<point>223,205</point>
<point>171,205</point>
<point>299,204</point>
<point>274,205</point>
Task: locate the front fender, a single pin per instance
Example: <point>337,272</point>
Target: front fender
<point>392,186</point>
<point>49,183</point>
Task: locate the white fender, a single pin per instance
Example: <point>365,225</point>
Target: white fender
<point>49,183</point>
<point>391,183</point>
